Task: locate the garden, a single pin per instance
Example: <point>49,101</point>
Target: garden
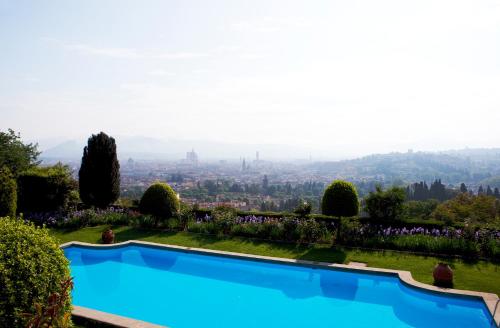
<point>44,206</point>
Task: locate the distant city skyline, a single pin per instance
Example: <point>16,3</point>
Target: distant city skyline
<point>335,79</point>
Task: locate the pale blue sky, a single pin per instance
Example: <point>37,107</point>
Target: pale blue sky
<point>337,76</point>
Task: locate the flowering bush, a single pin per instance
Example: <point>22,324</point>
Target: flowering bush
<point>83,218</point>
<point>467,242</point>
<point>273,228</point>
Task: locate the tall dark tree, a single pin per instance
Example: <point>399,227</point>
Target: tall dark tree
<point>265,185</point>
<point>489,191</point>
<point>463,188</point>
<point>496,193</point>
<point>99,176</point>
<point>437,190</point>
<point>480,190</point>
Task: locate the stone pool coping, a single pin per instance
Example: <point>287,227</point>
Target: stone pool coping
<point>490,300</point>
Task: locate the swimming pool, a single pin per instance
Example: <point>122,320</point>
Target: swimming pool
<point>183,289</point>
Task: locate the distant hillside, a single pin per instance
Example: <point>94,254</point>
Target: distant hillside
<point>156,149</point>
<point>469,165</point>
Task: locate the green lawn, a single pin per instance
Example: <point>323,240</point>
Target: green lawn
<point>479,276</point>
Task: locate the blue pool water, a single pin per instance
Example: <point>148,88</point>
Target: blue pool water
<point>187,290</point>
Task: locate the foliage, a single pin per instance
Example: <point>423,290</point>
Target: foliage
<point>160,201</point>
<point>43,189</point>
<point>16,155</point>
<point>303,209</point>
<point>419,209</point>
<point>283,229</point>
<point>93,217</point>
<point>186,215</point>
<point>467,242</point>
<point>99,176</point>
<point>340,199</point>
<point>31,268</point>
<point>52,314</point>
<point>8,193</point>
<point>468,208</point>
<point>386,204</point>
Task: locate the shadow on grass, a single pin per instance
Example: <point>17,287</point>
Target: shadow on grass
<point>131,233</point>
<point>298,251</point>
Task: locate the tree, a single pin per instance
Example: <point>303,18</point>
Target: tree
<point>265,185</point>
<point>16,155</point>
<point>480,190</point>
<point>468,208</point>
<point>340,199</point>
<point>387,204</point>
<point>160,201</point>
<point>489,191</point>
<point>8,193</point>
<point>437,190</point>
<point>99,176</point>
<point>463,188</point>
<point>496,193</point>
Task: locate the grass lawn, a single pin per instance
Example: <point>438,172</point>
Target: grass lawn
<point>478,276</point>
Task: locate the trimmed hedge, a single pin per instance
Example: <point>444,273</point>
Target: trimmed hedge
<point>45,189</point>
<point>340,199</point>
<point>8,193</point>
<point>32,266</point>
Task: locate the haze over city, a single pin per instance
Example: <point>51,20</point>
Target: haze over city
<point>335,80</point>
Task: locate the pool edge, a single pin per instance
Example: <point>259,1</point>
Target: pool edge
<point>489,299</point>
<point>111,319</point>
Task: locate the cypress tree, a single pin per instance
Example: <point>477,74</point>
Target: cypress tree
<point>99,176</point>
<point>489,192</point>
<point>463,188</point>
<point>480,190</point>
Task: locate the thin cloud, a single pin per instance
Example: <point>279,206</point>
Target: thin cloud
<point>160,72</point>
<point>122,52</point>
<point>131,53</point>
<point>272,24</point>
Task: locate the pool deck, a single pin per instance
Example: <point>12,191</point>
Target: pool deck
<point>490,300</point>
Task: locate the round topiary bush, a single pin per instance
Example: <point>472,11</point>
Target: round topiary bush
<point>340,199</point>
<point>32,267</point>
<point>160,201</point>
<point>8,193</point>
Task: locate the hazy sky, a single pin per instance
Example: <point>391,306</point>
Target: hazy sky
<point>338,76</point>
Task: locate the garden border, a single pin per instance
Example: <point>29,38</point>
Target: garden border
<point>489,299</point>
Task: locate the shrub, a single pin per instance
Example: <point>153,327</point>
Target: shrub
<point>419,209</point>
<point>340,199</point>
<point>45,189</point>
<point>303,209</point>
<point>93,217</point>
<point>160,201</point>
<point>386,204</point>
<point>468,208</point>
<point>32,267</point>
<point>8,193</point>
<point>312,231</point>
<point>99,175</point>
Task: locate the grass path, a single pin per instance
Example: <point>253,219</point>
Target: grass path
<point>478,276</point>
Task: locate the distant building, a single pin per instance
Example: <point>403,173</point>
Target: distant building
<point>192,157</point>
